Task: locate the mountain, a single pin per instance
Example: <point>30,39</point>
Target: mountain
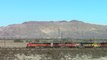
<point>54,29</point>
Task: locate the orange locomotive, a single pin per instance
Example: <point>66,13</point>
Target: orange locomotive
<point>38,45</point>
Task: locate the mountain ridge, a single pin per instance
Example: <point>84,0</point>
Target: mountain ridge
<point>54,29</point>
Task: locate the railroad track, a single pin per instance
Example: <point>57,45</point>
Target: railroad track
<point>53,48</point>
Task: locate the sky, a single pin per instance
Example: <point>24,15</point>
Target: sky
<point>19,11</point>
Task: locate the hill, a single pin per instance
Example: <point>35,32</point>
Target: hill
<point>54,29</point>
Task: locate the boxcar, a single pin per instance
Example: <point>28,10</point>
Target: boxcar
<point>87,45</point>
<point>103,44</point>
<point>72,45</point>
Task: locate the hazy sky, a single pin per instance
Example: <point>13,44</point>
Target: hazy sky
<point>18,11</point>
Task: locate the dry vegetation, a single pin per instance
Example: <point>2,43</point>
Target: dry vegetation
<point>54,53</point>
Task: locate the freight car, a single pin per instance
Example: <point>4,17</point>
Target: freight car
<point>70,45</point>
<point>90,45</point>
<point>104,45</point>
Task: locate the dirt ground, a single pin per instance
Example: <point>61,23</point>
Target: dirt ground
<point>54,53</point>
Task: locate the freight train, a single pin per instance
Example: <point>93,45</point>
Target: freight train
<point>66,45</point>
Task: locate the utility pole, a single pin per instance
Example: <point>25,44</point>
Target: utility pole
<point>60,34</point>
<point>4,44</point>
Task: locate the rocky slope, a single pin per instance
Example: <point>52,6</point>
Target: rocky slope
<point>51,29</point>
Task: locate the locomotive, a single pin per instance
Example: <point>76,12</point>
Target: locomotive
<point>66,45</point>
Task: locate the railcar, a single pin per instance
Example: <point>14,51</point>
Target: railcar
<point>86,45</point>
<point>103,45</point>
<point>90,45</point>
<point>38,45</point>
<point>70,45</point>
<point>96,45</point>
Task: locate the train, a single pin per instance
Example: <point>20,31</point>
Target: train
<point>66,45</point>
